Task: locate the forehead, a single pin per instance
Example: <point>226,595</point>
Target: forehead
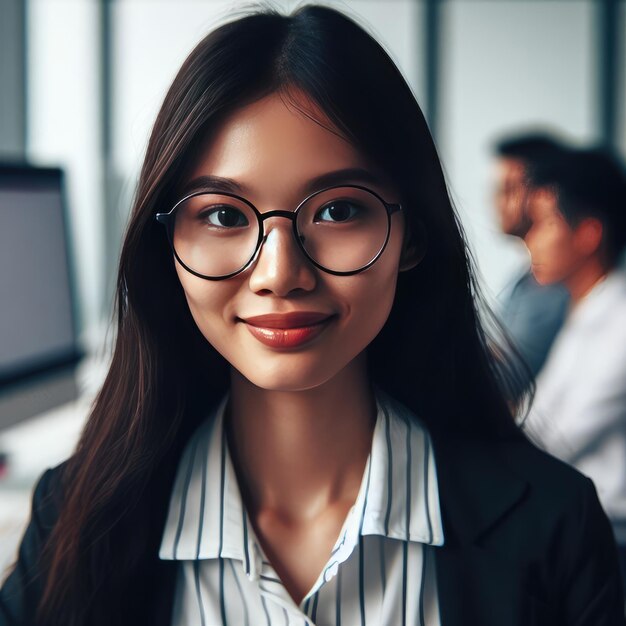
<point>274,145</point>
<point>510,168</point>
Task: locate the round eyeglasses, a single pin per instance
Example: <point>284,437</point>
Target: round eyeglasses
<point>342,230</point>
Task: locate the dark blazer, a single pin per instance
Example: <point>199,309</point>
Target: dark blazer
<point>527,543</point>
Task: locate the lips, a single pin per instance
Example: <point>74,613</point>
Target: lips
<point>294,319</point>
<point>287,330</point>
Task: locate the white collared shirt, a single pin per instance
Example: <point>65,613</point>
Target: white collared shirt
<point>579,411</point>
<point>381,570</point>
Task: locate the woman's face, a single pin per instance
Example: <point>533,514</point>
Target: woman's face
<point>273,152</point>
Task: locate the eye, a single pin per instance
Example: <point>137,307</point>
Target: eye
<point>224,216</point>
<point>338,211</point>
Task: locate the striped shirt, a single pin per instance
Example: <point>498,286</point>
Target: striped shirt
<point>380,572</point>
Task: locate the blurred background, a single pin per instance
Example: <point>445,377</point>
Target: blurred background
<point>82,81</point>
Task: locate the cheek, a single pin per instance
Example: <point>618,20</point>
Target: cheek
<point>369,299</point>
<point>378,300</point>
<point>559,246</point>
<point>377,290</point>
<point>545,240</point>
<point>206,301</point>
<point>551,248</point>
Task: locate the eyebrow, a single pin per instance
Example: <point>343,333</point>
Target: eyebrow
<point>219,183</point>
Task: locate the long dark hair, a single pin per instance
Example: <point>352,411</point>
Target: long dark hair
<point>432,354</point>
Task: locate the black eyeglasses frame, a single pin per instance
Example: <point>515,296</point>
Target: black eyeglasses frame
<point>168,221</point>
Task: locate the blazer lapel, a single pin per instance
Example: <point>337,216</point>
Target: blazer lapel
<point>477,491</point>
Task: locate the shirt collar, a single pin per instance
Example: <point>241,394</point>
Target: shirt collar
<point>398,497</point>
<point>399,494</point>
<point>605,293</point>
<point>206,518</point>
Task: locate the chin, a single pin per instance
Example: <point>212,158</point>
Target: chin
<point>543,277</point>
<point>281,378</point>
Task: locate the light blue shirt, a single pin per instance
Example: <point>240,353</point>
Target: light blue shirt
<point>533,315</point>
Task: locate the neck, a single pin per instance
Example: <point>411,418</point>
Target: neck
<point>296,453</point>
<point>584,279</point>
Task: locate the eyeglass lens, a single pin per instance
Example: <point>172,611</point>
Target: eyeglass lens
<point>342,229</point>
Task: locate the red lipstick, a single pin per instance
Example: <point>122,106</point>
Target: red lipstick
<point>287,330</point>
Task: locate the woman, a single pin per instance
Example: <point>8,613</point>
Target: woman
<point>293,434</point>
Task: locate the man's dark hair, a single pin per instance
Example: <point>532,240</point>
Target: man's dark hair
<point>589,182</point>
<point>528,147</point>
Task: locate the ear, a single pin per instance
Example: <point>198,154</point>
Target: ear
<point>414,246</point>
<point>588,235</point>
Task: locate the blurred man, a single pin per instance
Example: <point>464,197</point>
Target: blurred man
<point>577,236</point>
<point>532,313</point>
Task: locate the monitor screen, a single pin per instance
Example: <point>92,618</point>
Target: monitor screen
<point>37,318</point>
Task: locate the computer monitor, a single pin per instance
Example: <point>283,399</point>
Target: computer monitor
<point>39,346</point>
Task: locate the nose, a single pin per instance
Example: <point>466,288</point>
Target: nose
<point>281,266</point>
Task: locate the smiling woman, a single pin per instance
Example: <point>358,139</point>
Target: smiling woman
<point>341,229</point>
<point>302,422</point>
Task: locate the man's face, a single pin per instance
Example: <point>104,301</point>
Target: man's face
<point>554,245</point>
<point>510,196</point>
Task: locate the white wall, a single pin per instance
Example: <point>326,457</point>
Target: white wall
<point>63,127</point>
<point>507,66</point>
<point>153,38</point>
<point>621,107</point>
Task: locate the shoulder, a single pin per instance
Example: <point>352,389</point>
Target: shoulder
<point>48,495</point>
<point>562,536</point>
<point>20,590</point>
<point>46,503</point>
<point>616,307</point>
<point>564,513</point>
<point>544,303</point>
<point>602,310</point>
<point>546,473</point>
<point>530,287</point>
<point>589,577</point>
<point>518,490</point>
<point>512,460</point>
<point>558,490</point>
